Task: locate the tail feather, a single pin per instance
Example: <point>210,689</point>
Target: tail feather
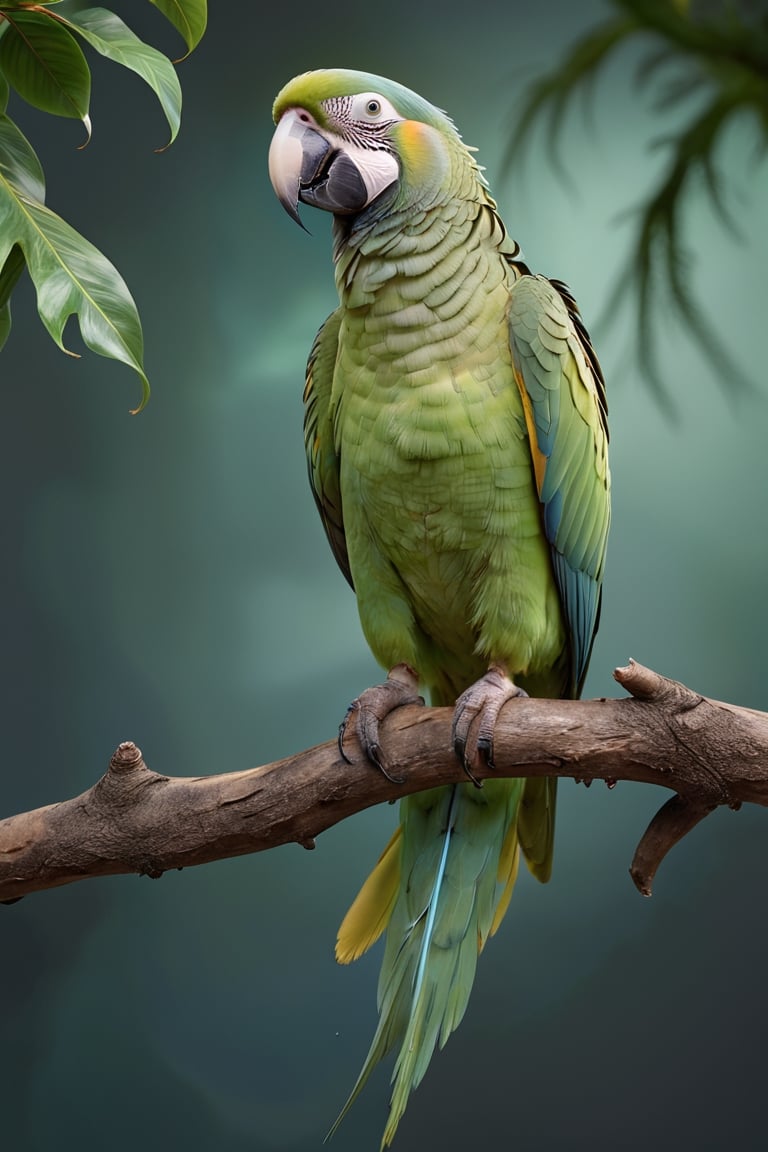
<point>536,824</point>
<point>430,986</point>
<point>509,862</point>
<point>462,979</point>
<point>457,864</point>
<point>370,912</point>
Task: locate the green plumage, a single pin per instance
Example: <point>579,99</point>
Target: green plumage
<point>432,945</point>
<point>456,440</point>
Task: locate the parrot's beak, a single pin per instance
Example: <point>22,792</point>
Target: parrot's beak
<point>305,166</point>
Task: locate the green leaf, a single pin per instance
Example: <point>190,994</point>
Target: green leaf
<point>189,18</point>
<point>5,322</point>
<point>11,270</point>
<point>18,162</point>
<point>72,277</point>
<point>112,38</point>
<point>45,64</point>
<point>4,93</point>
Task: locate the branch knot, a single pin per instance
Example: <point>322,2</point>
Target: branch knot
<point>133,819</point>
<point>126,757</point>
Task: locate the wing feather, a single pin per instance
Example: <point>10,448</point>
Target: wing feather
<point>563,395</point>
<point>322,458</point>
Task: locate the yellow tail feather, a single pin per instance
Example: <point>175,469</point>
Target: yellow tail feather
<point>509,861</point>
<point>370,912</point>
<point>536,825</point>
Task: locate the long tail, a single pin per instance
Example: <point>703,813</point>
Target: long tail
<point>440,888</point>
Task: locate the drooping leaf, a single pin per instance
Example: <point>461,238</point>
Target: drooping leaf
<point>18,162</point>
<point>9,274</point>
<point>189,18</point>
<point>45,64</point>
<point>72,277</point>
<point>21,168</point>
<point>41,59</point>
<point>5,322</point>
<point>112,38</point>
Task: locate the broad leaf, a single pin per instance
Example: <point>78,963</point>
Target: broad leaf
<point>21,168</point>
<point>112,38</point>
<point>18,162</point>
<point>5,322</point>
<point>72,277</point>
<point>189,18</point>
<point>9,274</point>
<point>45,64</point>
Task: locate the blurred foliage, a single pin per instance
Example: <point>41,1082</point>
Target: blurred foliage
<point>42,61</point>
<point>714,55</point>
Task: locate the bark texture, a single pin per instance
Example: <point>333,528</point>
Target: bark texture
<point>135,820</point>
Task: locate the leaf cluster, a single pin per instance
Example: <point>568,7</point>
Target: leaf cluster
<point>715,57</point>
<point>42,60</point>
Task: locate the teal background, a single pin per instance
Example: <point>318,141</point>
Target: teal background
<point>166,580</point>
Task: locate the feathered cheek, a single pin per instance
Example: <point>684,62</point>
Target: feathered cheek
<point>422,153</point>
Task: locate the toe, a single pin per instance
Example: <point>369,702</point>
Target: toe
<point>475,717</point>
<point>372,707</point>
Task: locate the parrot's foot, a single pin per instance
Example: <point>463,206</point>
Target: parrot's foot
<point>475,716</point>
<point>372,706</point>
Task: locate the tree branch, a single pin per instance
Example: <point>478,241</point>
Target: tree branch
<point>134,820</point>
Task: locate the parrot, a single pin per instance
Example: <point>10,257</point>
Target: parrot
<point>455,425</point>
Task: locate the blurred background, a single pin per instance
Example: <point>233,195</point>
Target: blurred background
<point>166,580</point>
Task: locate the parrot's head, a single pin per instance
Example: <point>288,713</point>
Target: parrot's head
<point>345,139</point>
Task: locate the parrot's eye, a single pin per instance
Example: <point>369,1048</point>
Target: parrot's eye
<point>365,108</point>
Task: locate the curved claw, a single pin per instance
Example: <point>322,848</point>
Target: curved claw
<point>460,748</point>
<point>485,751</point>
<point>374,755</point>
<point>475,716</point>
<point>372,707</point>
<point>342,730</point>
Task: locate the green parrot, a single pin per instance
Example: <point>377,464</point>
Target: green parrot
<point>456,439</point>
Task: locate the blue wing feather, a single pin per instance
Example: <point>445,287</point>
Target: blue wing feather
<point>564,399</point>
